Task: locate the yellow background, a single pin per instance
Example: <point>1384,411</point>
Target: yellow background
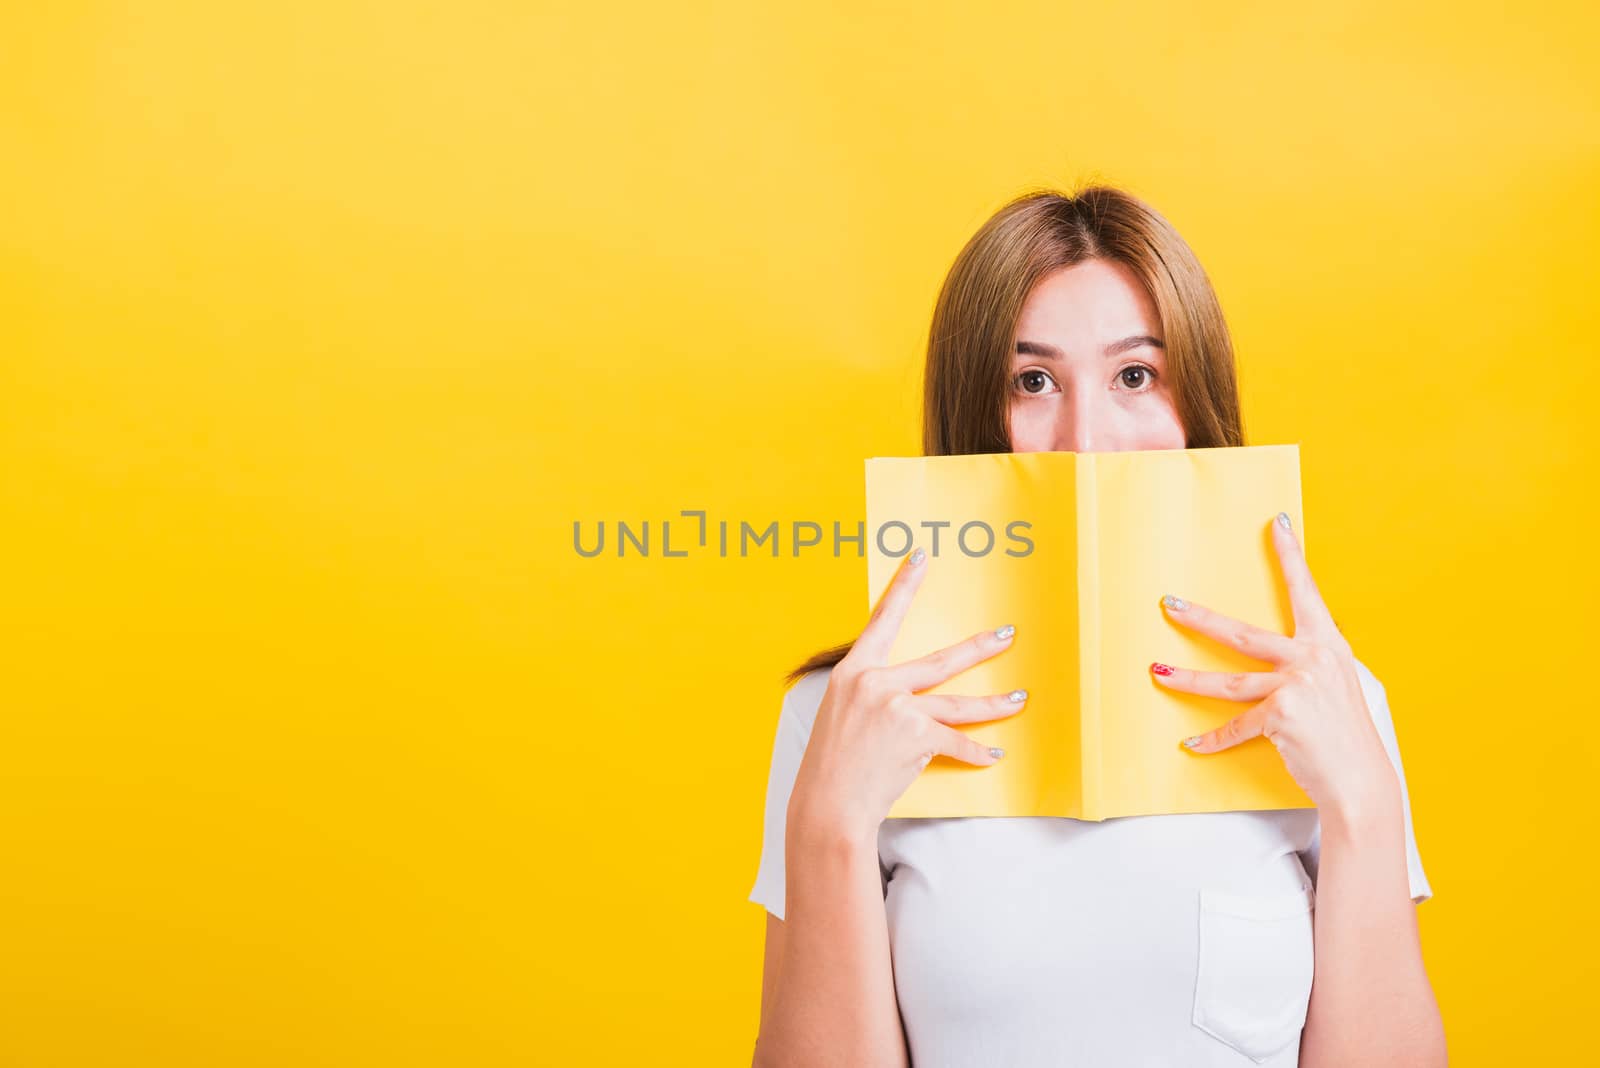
<point>323,322</point>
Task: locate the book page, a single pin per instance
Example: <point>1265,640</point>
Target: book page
<point>984,576</point>
<point>1194,523</point>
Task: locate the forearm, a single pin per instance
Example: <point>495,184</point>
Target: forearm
<point>834,1002</point>
<point>1371,1002</point>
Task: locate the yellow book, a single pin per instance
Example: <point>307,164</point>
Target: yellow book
<point>1076,550</point>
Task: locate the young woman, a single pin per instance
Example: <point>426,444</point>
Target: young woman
<point>1080,323</point>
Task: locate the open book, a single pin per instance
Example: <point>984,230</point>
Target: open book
<point>1076,550</point>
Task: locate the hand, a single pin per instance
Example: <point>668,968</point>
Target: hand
<point>1310,706</point>
<point>874,733</point>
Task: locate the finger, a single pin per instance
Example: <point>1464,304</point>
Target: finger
<point>952,743</point>
<point>1241,728</point>
<point>1228,685</point>
<point>942,664</point>
<point>876,638</point>
<point>1246,637</point>
<point>1311,616</point>
<point>953,708</point>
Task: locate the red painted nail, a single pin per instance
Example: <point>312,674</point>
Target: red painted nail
<point>1161,669</point>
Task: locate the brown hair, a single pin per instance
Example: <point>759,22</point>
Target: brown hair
<point>966,383</point>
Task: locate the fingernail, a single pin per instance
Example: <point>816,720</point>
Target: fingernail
<point>1192,742</point>
<point>1160,669</point>
<point>1016,697</point>
<point>917,557</point>
<point>1283,520</point>
<point>996,752</point>
<point>1177,604</point>
<point>1005,632</point>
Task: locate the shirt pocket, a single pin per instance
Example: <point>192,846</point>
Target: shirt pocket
<point>1253,982</point>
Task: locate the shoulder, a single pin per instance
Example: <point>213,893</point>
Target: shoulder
<point>801,701</point>
<point>1377,697</point>
<point>1369,681</point>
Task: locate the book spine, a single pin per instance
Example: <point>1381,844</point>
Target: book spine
<point>1088,503</point>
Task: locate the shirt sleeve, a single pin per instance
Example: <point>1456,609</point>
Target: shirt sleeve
<point>1378,706</point>
<point>795,718</point>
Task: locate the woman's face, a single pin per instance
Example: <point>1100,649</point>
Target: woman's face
<point>1089,372</point>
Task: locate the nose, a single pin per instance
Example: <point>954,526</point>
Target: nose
<point>1080,423</point>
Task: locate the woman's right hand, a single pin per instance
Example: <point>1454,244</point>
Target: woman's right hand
<point>874,732</point>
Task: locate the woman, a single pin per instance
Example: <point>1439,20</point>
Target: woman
<point>1080,323</point>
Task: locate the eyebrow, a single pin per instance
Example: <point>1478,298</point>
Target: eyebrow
<point>1116,348</point>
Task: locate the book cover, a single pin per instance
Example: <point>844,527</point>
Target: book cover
<point>1076,550</point>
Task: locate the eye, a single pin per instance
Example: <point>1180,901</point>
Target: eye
<point>1141,376</point>
<point>1034,381</point>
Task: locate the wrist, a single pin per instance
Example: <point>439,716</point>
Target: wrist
<point>1368,809</point>
<point>816,825</point>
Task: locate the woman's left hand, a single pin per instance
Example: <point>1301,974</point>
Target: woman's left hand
<point>1310,706</point>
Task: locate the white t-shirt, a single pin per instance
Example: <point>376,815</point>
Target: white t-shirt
<point>1143,940</point>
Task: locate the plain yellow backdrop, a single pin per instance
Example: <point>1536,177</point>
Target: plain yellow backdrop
<point>321,323</point>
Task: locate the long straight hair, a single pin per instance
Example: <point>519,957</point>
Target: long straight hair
<point>966,383</point>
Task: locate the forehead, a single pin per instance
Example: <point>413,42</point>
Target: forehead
<point>1091,301</point>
